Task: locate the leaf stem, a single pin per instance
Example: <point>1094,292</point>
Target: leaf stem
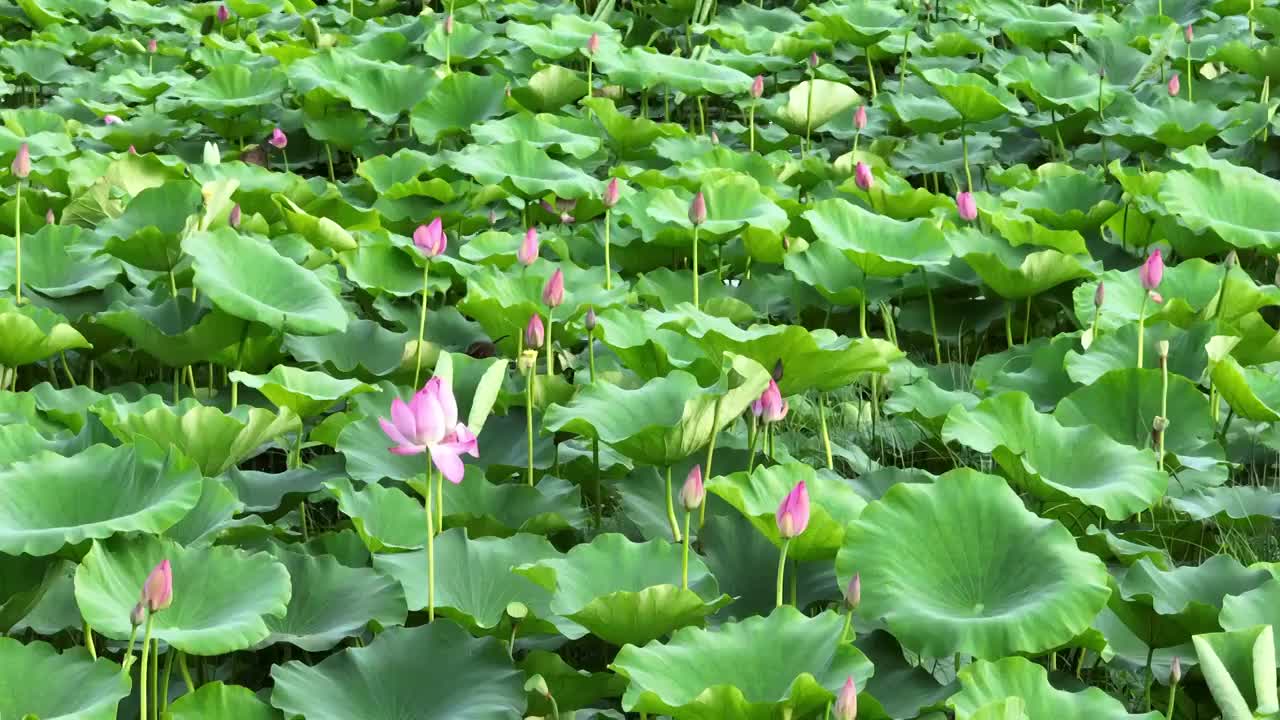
<point>1142,327</point>
<point>431,550</point>
<point>933,320</point>
<point>528,418</point>
<point>695,268</point>
<point>142,674</point>
<point>186,672</point>
<point>608,266</point>
<point>671,510</point>
<point>422,324</point>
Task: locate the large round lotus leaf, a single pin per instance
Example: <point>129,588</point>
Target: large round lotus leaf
<point>476,383</point>
<point>1253,393</point>
<point>1014,677</point>
<point>825,268</point>
<point>545,130</point>
<point>231,88</point>
<point>24,582</point>
<point>830,99</point>
<point>1259,606</point>
<point>305,392</point>
<point>405,174</point>
<point>474,578</point>
<point>734,202</point>
<point>470,679</point>
<point>322,232</point>
<point>1240,669</point>
<point>174,330</point>
<point>1015,272</point>
<point>641,68</point>
<point>862,24</point>
<point>566,34</point>
<point>33,333</point>
<point>757,495</point>
<point>215,440</point>
<point>550,88</point>
<point>385,89</point>
<point>1037,450</point>
<point>212,613</point>
<point>214,512</point>
<point>1068,201</point>
<point>58,262</point>
<point>524,169</point>
<point>1055,84</point>
<point>982,575</point>
<point>54,501</point>
<point>458,102</point>
<point>1033,26</point>
<point>364,345</point>
<point>331,602</point>
<point>1240,205</point>
<point>249,279</point>
<point>148,233</point>
<point>646,348</point>
<point>1192,594</point>
<point>973,96</point>
<point>1165,123</point>
<point>215,701</point>
<point>1237,502</point>
<point>625,592</point>
<point>879,245</point>
<point>572,688</point>
<point>665,420</point>
<point>748,670</point>
<point>36,681</point>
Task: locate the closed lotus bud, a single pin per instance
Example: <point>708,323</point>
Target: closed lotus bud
<point>431,239</point>
<point>22,162</point>
<point>1162,348</point>
<point>534,333</point>
<point>223,14</point>
<point>1152,271</point>
<point>1156,297</point>
<point>528,251</point>
<point>860,118</point>
<point>553,291</point>
<point>528,361</point>
<point>1230,260</point>
<point>966,206</point>
<point>1175,671</point>
<point>49,219</point>
<point>813,60</point>
<point>862,176</point>
<point>693,492</point>
<point>493,217</point>
<point>611,193</point>
<point>1175,85</point>
<point>448,25</point>
<point>1189,33</point>
<point>715,139</point>
<point>278,139</point>
<point>234,218</point>
<point>212,156</point>
<point>593,43</point>
<point>152,46</point>
<point>589,322</point>
<point>157,591</point>
<point>133,150</point>
<point>138,615</point>
<point>770,407</point>
<point>698,209</point>
<point>111,119</point>
<point>847,701</point>
<point>853,593</point>
<point>777,371</point>
<point>793,513</point>
<point>757,87</point>
<point>1099,294</point>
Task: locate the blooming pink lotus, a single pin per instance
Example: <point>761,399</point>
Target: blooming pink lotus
<point>1152,271</point>
<point>157,591</point>
<point>431,239</point>
<point>693,492</point>
<point>534,333</point>
<point>21,166</point>
<point>847,702</point>
<point>793,513</point>
<point>966,206</point>
<point>862,176</point>
<point>429,423</point>
<point>528,251</point>
<point>553,292</point>
<point>278,139</point>
<point>698,209</point>
<point>111,119</point>
<point>1175,85</point>
<point>770,407</point>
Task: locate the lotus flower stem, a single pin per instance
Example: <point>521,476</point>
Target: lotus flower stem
<point>439,503</point>
<point>933,318</point>
<point>1191,95</point>
<point>848,623</point>
<point>696,305</point>
<point>285,155</point>
<point>671,510</point>
<point>128,654</point>
<point>751,127</point>
<point>17,236</point>
<point>711,453</point>
<point>186,673</point>
<point>528,417</point>
<point>782,568</point>
<point>1008,324</point>
<point>1026,324</point>
<point>1173,696</point>
<point>826,436</point>
<point>155,679</point>
<point>871,72</point>
<point>1142,326</point>
<point>328,154</point>
<point>235,386</point>
<point>684,558</point>
<point>88,641</point>
<point>142,673</point>
<point>751,452</point>
<point>431,549</point>
<point>808,116</point>
<point>590,68</point>
<point>608,266</point>
<point>964,151</point>
<point>168,673</point>
<point>422,323</point>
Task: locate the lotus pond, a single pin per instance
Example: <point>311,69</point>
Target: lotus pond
<point>377,360</point>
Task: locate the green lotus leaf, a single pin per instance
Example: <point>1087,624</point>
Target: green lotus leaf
<point>215,701</point>
<point>830,99</point>
<point>1058,85</point>
<point>364,345</point>
<point>973,96</point>
<point>748,670</point>
<point>55,262</point>
<point>455,104</point>
<point>880,245</point>
<point>249,279</point>
<point>43,63</point>
<point>630,137</point>
<point>525,169</point>
<point>1252,607</point>
<point>1020,228</point>
<point>566,34</point>
<point>863,24</point>
<point>1034,27</point>
<point>735,204</point>
<point>214,512</point>
<point>210,614</point>
<point>640,69</point>
<point>825,268</point>
<point>1191,595</point>
<point>666,419</point>
<point>550,88</point>
<point>378,681</point>
<point>1190,288</point>
<point>1168,122</point>
<point>572,688</point>
<point>1260,62</point>
<point>922,110</point>
<point>148,233</point>
<point>386,90</point>
<point>1011,678</point>
<point>1240,669</point>
<point>331,602</point>
<point>952,592</point>
<point>1039,451</point>
<point>40,682</point>
<point>476,383</point>
<point>757,495</point>
<point>625,592</point>
<point>1235,205</point>
<point>1254,393</point>
<point>1236,502</point>
<point>405,174</point>
<point>543,130</point>
<point>57,501</point>
<point>174,330</point>
<point>1068,201</point>
<point>474,578</point>
<point>215,440</point>
<point>385,518</point>
<point>24,582</point>
<point>232,88</point>
<point>33,333</point>
<point>323,233</point>
<point>307,393</point>
<point>1015,272</point>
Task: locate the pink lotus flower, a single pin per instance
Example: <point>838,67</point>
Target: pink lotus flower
<point>770,406</point>
<point>793,513</point>
<point>860,118</point>
<point>1099,294</point>
<point>234,218</point>
<point>152,46</point>
<point>223,14</point>
<point>429,423</point>
<point>49,218</point>
<point>448,25</point>
<point>157,591</point>
<point>111,119</point>
<point>431,239</point>
<point>813,60</point>
<point>698,209</point>
<point>593,43</point>
<point>534,333</point>
<point>1175,671</point>
<point>1189,33</point>
<point>847,702</point>
<point>862,176</point>
<point>853,593</point>
<point>278,139</point>
<point>553,291</point>
<point>611,193</point>
<point>966,205</point>
<point>133,150</point>
<point>693,492</point>
<point>757,87</point>
<point>22,162</point>
<point>1174,85</point>
<point>1152,271</point>
<point>529,248</point>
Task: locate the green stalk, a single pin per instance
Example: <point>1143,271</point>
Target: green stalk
<point>608,266</point>
<point>782,567</point>
<point>1142,326</point>
<point>933,320</point>
<point>711,453</point>
<point>684,558</point>
<point>528,418</point>
<point>871,72</point>
<point>857,135</point>
<point>142,674</point>
<point>848,623</point>
<point>751,452</point>
<point>422,323</point>
<point>551,358</point>
<point>186,673</point>
<point>17,235</point>
<point>128,654</point>
<point>155,679</point>
<point>1173,695</point>
<point>328,153</point>
<point>431,551</point>
<point>808,114</point>
<point>671,509</point>
<point>1008,324</point>
<point>1191,94</point>
<point>168,673</point>
<point>695,267</point>
<point>439,503</point>
<point>826,437</point>
<point>964,149</point>
<point>590,68</point>
<point>88,641</point>
<point>285,154</point>
<point>751,124</point>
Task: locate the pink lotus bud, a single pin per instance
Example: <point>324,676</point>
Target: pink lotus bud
<point>448,24</point>
<point>853,593</point>
<point>152,46</point>
<point>234,218</point>
<point>611,193</point>
<point>133,150</point>
<point>1190,34</point>
<point>770,407</point>
<point>1174,85</point>
<point>1152,270</point>
<point>847,702</point>
<point>757,87</point>
<point>862,176</point>
<point>813,60</point>
<point>278,139</point>
<point>111,119</point>
<point>561,208</point>
<point>223,14</point>
<point>534,333</point>
<point>157,591</point>
<point>553,292</point>
<point>966,205</point>
<point>1175,671</point>
<point>493,217</point>
<point>860,118</point>
<point>431,239</point>
<point>793,513</point>
<point>528,251</point>
<point>593,43</point>
<point>698,209</point>
<point>138,615</point>
<point>590,321</point>
<point>1156,297</point>
<point>715,139</point>
<point>49,218</point>
<point>22,162</point>
<point>693,492</point>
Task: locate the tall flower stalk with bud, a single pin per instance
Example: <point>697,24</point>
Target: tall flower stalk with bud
<point>1190,34</point>
<point>757,90</point>
<point>1175,677</point>
<point>157,595</point>
<point>1162,348</point>
<point>448,41</point>
<point>697,216</point>
<point>534,335</point>
<point>692,496</point>
<point>21,169</point>
<point>768,409</point>
<point>552,297</point>
<point>431,240</point>
<point>859,124</point>
<point>593,47</point>
<point>808,113</point>
<point>1151,274</point>
<point>280,141</point>
<point>610,198</point>
<point>792,518</point>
